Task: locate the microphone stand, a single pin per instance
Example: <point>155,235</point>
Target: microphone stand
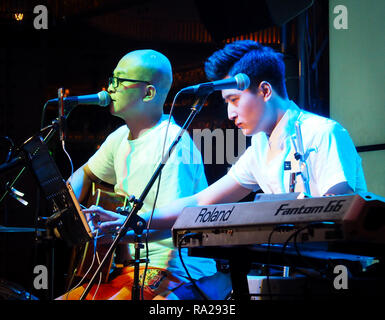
<point>133,220</point>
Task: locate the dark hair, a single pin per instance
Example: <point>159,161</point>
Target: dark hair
<point>259,62</point>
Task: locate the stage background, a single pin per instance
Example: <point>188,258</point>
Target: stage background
<point>84,42</point>
<point>357,78</point>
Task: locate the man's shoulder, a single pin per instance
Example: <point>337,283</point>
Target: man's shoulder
<point>317,123</point>
<point>173,129</point>
<point>119,132</point>
<point>319,129</point>
<point>114,138</point>
<point>166,121</point>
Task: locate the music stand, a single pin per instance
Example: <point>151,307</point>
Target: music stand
<point>67,219</point>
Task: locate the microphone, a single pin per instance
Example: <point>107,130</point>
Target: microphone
<point>102,99</point>
<point>240,81</point>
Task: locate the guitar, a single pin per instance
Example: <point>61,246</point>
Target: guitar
<point>86,255</point>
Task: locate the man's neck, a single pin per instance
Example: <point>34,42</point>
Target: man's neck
<point>140,126</point>
<point>278,108</point>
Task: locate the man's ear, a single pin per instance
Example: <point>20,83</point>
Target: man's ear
<point>266,89</point>
<point>150,93</point>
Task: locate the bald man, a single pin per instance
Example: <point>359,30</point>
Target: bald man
<point>127,160</point>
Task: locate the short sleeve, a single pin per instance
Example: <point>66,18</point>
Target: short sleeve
<point>183,174</point>
<point>102,162</point>
<point>242,172</point>
<point>336,160</point>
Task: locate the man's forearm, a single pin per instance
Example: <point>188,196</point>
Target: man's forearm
<point>164,218</point>
<point>81,183</point>
<point>225,190</point>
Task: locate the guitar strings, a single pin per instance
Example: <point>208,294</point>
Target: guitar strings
<point>91,265</point>
<point>100,278</point>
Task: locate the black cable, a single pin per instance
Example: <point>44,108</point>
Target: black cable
<point>290,237</point>
<point>268,264</point>
<point>280,227</point>
<point>203,295</point>
<point>294,236</point>
<point>306,261</point>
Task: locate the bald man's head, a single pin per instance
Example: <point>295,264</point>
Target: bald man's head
<point>151,66</point>
<point>142,80</point>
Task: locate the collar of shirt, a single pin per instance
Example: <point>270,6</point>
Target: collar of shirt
<point>284,129</point>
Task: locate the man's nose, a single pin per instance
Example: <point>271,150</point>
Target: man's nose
<point>110,88</point>
<point>231,114</point>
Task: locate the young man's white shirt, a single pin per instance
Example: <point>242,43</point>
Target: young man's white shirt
<point>332,157</point>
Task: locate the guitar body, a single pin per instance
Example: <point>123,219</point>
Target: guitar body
<point>85,255</point>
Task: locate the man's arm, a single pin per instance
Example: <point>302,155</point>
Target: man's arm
<point>81,182</point>
<point>225,190</point>
<point>335,165</point>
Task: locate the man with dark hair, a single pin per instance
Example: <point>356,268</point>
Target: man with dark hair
<point>264,112</point>
<point>249,57</point>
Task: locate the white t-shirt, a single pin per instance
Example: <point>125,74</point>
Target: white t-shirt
<point>332,157</point>
<point>129,165</point>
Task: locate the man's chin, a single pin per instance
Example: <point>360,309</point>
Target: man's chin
<point>112,109</point>
<point>115,112</point>
<point>247,132</point>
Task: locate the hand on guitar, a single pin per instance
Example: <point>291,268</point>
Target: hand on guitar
<point>103,221</point>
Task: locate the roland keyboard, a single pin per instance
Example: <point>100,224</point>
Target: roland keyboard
<point>355,217</point>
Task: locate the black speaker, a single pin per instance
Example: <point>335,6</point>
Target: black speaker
<point>224,19</point>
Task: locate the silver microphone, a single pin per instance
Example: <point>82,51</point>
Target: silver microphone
<point>102,99</point>
<point>240,81</point>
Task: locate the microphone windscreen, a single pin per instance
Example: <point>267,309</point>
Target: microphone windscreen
<point>243,81</point>
<point>104,98</point>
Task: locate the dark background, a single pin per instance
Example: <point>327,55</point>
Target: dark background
<point>78,52</point>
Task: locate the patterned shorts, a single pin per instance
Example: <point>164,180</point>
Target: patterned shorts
<point>158,282</point>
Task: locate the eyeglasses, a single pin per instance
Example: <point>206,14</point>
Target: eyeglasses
<point>115,81</point>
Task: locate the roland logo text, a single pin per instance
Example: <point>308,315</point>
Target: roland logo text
<point>213,215</point>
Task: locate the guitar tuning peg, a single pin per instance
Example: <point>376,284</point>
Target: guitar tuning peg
<point>123,210</point>
<point>119,210</point>
<point>131,198</point>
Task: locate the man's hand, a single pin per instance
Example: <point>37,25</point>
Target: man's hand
<point>103,221</point>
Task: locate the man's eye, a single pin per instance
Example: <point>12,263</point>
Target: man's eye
<point>231,99</point>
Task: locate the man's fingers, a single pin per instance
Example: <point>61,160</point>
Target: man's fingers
<point>101,213</point>
<point>93,209</point>
<point>109,226</point>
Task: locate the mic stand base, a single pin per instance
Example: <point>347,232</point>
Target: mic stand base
<point>135,294</point>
